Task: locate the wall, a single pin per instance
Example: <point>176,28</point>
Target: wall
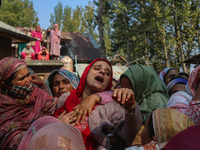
<point>5,47</point>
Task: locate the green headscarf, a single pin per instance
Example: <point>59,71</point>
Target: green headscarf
<point>150,92</point>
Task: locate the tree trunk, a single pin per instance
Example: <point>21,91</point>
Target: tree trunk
<point>178,38</point>
<point>146,50</point>
<point>166,55</point>
<point>100,28</point>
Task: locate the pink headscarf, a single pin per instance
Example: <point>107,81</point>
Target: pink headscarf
<point>38,27</point>
<point>55,25</point>
<point>193,81</point>
<point>57,136</point>
<point>8,65</point>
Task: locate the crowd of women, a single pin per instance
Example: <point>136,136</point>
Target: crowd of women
<point>144,110</point>
<point>47,44</point>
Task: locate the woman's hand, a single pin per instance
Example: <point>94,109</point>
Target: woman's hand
<point>125,96</point>
<point>66,118</point>
<point>85,107</point>
<point>37,80</point>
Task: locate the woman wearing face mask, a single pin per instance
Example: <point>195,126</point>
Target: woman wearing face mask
<point>20,103</point>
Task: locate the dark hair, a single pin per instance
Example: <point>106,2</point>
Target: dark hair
<point>114,80</point>
<point>8,81</point>
<point>184,74</point>
<point>50,80</point>
<point>151,130</point>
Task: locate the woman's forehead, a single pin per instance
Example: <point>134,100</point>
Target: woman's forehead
<point>101,63</point>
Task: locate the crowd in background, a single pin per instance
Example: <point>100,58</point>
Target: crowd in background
<point>45,47</point>
<point>140,110</point>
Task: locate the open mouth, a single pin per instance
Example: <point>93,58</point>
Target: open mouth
<point>99,79</point>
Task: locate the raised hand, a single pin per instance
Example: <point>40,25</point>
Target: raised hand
<point>124,96</point>
<point>37,80</point>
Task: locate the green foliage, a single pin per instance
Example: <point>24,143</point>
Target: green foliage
<point>57,17</point>
<point>18,13</point>
<point>75,20</point>
<point>148,28</point>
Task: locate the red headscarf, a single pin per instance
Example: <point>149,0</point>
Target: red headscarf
<point>74,99</point>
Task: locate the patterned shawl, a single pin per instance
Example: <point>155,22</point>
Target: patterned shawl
<point>150,91</point>
<point>17,115</point>
<point>193,81</point>
<point>168,122</point>
<point>8,65</point>
<point>163,73</point>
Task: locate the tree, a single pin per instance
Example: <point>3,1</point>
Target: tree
<point>57,17</point>
<point>18,13</point>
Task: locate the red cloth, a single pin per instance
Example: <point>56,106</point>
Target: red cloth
<point>74,99</point>
<point>187,139</point>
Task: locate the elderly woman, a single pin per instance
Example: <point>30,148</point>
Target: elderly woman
<point>54,39</point>
<point>20,102</point>
<point>28,53</point>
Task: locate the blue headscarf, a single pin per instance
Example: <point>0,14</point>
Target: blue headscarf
<point>175,81</point>
<point>73,79</point>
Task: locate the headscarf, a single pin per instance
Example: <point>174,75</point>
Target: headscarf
<point>163,73</point>
<point>8,66</point>
<point>168,122</point>
<point>73,79</point>
<point>17,115</point>
<point>74,99</point>
<point>53,129</point>
<point>193,81</point>
<point>185,140</point>
<point>37,27</point>
<point>57,136</point>
<point>55,25</point>
<point>150,92</point>
<point>175,81</point>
